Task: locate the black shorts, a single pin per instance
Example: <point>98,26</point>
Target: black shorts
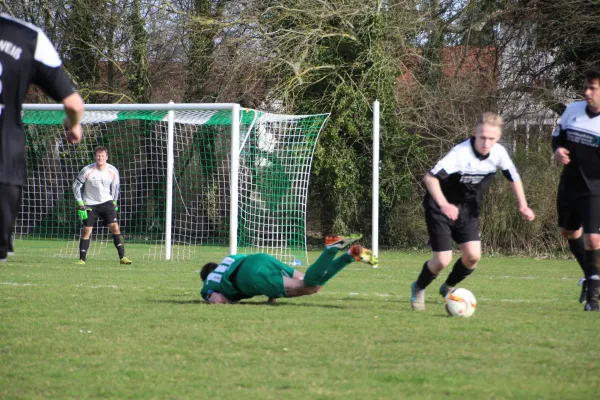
<point>442,231</point>
<point>575,210</point>
<point>105,211</point>
<point>10,200</point>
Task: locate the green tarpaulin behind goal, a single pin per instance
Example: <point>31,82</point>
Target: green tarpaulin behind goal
<point>274,168</point>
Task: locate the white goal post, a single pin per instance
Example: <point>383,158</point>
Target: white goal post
<point>375,189</point>
<point>191,175</point>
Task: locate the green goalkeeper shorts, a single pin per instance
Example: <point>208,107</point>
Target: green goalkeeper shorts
<point>262,274</point>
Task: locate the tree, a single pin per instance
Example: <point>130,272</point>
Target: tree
<point>202,45</point>
<point>570,33</point>
<point>83,47</point>
<point>138,81</point>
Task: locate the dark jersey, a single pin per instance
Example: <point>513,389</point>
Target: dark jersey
<point>579,132</point>
<point>26,56</point>
<point>465,175</point>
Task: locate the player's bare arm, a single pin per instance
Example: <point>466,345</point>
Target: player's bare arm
<point>517,188</point>
<point>433,186</point>
<point>298,275</point>
<point>74,108</point>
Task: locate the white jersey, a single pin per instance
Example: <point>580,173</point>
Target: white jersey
<point>99,185</point>
<point>465,175</point>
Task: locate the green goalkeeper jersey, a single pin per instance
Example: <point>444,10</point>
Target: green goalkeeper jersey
<point>218,280</point>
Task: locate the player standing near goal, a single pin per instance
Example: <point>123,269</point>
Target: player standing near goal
<point>26,56</point>
<point>100,183</point>
<point>576,143</point>
<point>243,276</point>
<point>455,188</point>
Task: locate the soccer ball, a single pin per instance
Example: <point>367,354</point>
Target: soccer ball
<point>460,303</point>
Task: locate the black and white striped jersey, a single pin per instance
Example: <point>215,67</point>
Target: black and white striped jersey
<point>579,132</point>
<point>465,175</point>
<point>26,56</point>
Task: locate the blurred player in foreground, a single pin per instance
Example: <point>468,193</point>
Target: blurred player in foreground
<point>26,56</point>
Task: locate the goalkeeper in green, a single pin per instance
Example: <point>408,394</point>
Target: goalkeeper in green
<point>243,276</point>
<point>96,191</point>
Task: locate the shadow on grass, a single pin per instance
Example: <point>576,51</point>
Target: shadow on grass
<point>177,301</point>
<point>250,303</point>
<point>371,300</point>
<point>292,304</point>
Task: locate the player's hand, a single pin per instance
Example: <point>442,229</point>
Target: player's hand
<point>218,298</point>
<point>450,211</point>
<point>82,213</point>
<point>116,206</point>
<point>74,132</point>
<point>527,213</point>
<point>561,155</point>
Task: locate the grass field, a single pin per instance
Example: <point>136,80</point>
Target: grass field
<point>104,330</point>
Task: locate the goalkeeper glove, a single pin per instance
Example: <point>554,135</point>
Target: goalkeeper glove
<point>81,211</point>
<point>116,206</point>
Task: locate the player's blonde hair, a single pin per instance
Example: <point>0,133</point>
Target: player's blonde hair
<point>489,118</point>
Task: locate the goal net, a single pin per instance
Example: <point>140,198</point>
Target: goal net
<point>191,178</point>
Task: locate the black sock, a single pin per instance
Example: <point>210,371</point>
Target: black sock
<point>593,286</point>
<point>84,245</point>
<point>119,244</point>
<point>592,257</point>
<point>425,277</point>
<point>576,246</point>
<point>458,274</point>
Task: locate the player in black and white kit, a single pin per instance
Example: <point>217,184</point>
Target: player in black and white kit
<point>26,56</point>
<point>100,184</point>
<point>576,144</point>
<point>455,187</point>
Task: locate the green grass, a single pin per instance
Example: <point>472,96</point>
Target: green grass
<point>103,330</point>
